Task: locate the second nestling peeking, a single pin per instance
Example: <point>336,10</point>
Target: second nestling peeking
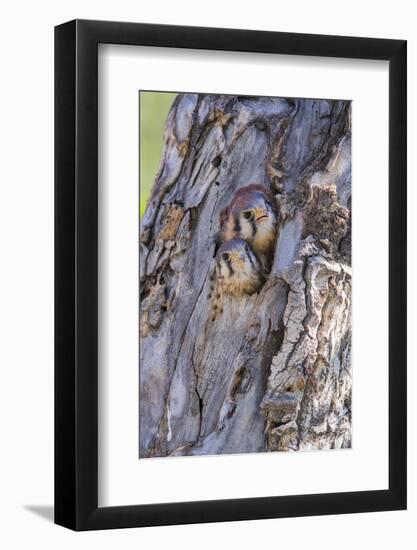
<point>238,271</point>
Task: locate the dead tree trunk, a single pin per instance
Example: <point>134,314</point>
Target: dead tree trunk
<point>273,372</point>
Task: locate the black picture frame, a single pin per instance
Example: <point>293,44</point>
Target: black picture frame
<point>76,271</point>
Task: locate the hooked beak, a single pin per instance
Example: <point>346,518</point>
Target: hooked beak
<point>263,215</point>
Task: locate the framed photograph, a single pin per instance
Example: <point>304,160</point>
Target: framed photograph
<point>230,247</point>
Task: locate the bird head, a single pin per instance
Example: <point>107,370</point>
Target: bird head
<point>235,258</point>
<point>253,211</point>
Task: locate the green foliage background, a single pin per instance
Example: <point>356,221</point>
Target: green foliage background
<point>154,108</point>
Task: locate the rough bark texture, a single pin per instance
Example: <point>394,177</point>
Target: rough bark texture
<point>273,372</point>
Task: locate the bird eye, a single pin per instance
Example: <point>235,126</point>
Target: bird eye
<point>248,215</point>
<point>226,256</point>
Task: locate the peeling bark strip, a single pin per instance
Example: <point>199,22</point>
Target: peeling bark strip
<point>273,371</point>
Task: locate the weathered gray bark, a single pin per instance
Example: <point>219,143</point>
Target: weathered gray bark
<point>273,371</point>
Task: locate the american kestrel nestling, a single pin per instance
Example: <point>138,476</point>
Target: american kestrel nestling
<point>238,271</point>
<point>252,215</point>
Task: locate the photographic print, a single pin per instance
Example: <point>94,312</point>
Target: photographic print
<point>245,274</point>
